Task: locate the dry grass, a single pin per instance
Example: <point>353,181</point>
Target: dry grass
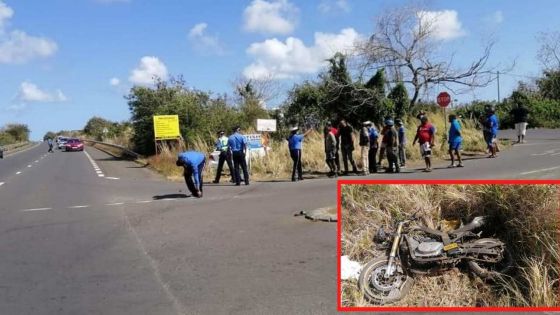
<point>524,216</point>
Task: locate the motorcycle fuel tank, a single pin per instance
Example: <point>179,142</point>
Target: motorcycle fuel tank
<point>429,249</point>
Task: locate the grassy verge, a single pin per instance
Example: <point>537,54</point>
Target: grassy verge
<point>524,216</point>
<point>278,164</point>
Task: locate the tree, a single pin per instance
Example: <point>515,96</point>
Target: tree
<point>252,102</point>
<point>399,96</point>
<point>549,84</point>
<point>549,52</point>
<point>404,42</point>
<point>49,135</point>
<point>95,127</point>
<point>19,132</point>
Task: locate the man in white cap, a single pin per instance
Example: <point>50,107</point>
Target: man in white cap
<point>294,144</point>
<point>364,146</point>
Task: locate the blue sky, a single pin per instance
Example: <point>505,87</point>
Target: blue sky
<point>64,61</point>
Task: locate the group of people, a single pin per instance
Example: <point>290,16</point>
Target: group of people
<point>375,146</point>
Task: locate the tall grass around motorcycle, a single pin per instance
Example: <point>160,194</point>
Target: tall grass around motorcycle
<point>451,245</point>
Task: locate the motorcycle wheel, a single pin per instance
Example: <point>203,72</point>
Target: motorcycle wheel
<point>490,270</point>
<point>379,290</point>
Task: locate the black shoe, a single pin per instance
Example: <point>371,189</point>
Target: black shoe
<point>301,178</point>
<point>237,184</point>
<point>246,184</point>
<point>215,182</point>
<point>293,180</point>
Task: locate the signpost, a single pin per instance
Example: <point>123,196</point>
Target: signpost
<point>166,127</point>
<point>268,125</point>
<point>443,100</point>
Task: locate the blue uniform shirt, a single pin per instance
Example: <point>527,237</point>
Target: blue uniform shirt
<point>455,132</point>
<point>193,159</point>
<point>237,142</point>
<point>373,136</point>
<point>294,142</point>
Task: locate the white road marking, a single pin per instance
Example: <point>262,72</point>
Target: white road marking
<point>100,175</point>
<point>95,166</point>
<point>115,204</point>
<point>112,177</point>
<point>77,207</point>
<point>541,170</point>
<point>144,201</point>
<point>37,161</point>
<point>28,165</point>
<point>1,183</point>
<point>18,173</point>
<point>36,209</point>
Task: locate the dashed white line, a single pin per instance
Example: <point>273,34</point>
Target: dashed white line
<point>1,183</point>
<point>37,161</point>
<point>18,173</point>
<point>77,207</point>
<point>100,175</point>
<point>28,165</point>
<point>541,170</point>
<point>144,201</point>
<point>36,209</point>
<point>115,204</point>
<point>96,168</point>
<point>112,177</point>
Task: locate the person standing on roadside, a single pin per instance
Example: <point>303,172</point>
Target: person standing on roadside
<point>334,131</point>
<point>364,146</point>
<point>330,150</point>
<point>390,139</point>
<point>295,141</point>
<point>346,133</point>
<point>225,156</point>
<point>50,143</point>
<point>402,142</point>
<point>193,163</point>
<point>425,135</point>
<point>520,117</point>
<point>492,126</point>
<point>373,146</point>
<point>237,143</point>
<point>455,140</point>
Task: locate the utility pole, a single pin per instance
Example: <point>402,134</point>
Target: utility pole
<point>499,87</point>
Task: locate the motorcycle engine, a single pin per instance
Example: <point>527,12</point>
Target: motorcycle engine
<point>429,249</point>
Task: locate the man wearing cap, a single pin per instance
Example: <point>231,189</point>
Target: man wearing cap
<point>364,146</point>
<point>347,146</point>
<point>425,135</point>
<point>193,163</point>
<point>237,143</point>
<point>225,156</point>
<point>390,139</point>
<point>373,146</point>
<point>294,144</point>
<point>402,142</point>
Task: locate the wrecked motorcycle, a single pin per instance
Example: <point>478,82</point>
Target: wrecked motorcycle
<point>418,249</point>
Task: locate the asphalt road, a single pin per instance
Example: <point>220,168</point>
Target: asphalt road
<point>88,234</point>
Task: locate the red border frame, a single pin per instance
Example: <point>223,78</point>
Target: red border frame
<point>341,308</point>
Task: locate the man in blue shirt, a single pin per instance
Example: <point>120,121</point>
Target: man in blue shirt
<point>50,143</point>
<point>294,144</point>
<point>373,146</point>
<point>492,126</point>
<point>193,162</point>
<point>455,140</point>
<point>237,143</point>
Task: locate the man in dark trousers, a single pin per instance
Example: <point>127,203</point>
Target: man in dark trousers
<point>237,143</point>
<point>193,162</point>
<point>334,131</point>
<point>294,144</point>
<point>373,146</point>
<point>347,146</point>
<point>390,139</point>
<point>225,156</point>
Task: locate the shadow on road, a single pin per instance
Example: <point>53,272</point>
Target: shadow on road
<point>170,196</point>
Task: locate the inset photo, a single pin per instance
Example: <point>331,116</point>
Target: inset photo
<point>449,245</point>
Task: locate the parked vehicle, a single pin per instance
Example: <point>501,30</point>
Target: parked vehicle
<point>416,249</point>
<point>74,145</point>
<point>61,142</point>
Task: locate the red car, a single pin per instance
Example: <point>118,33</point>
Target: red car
<point>74,145</point>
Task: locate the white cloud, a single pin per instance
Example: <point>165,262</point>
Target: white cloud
<point>204,43</point>
<point>328,6</point>
<point>6,13</point>
<point>114,81</point>
<point>29,92</point>
<point>498,17</point>
<point>445,24</point>
<point>18,47</point>
<point>270,17</point>
<point>148,69</point>
<point>282,60</point>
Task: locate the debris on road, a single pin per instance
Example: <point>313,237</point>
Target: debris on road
<point>327,214</point>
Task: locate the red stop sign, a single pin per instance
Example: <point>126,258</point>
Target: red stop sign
<point>443,99</point>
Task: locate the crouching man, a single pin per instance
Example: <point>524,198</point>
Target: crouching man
<point>193,162</point>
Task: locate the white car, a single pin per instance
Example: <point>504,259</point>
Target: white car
<point>61,142</point>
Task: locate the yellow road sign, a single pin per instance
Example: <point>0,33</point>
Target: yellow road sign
<point>166,127</point>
